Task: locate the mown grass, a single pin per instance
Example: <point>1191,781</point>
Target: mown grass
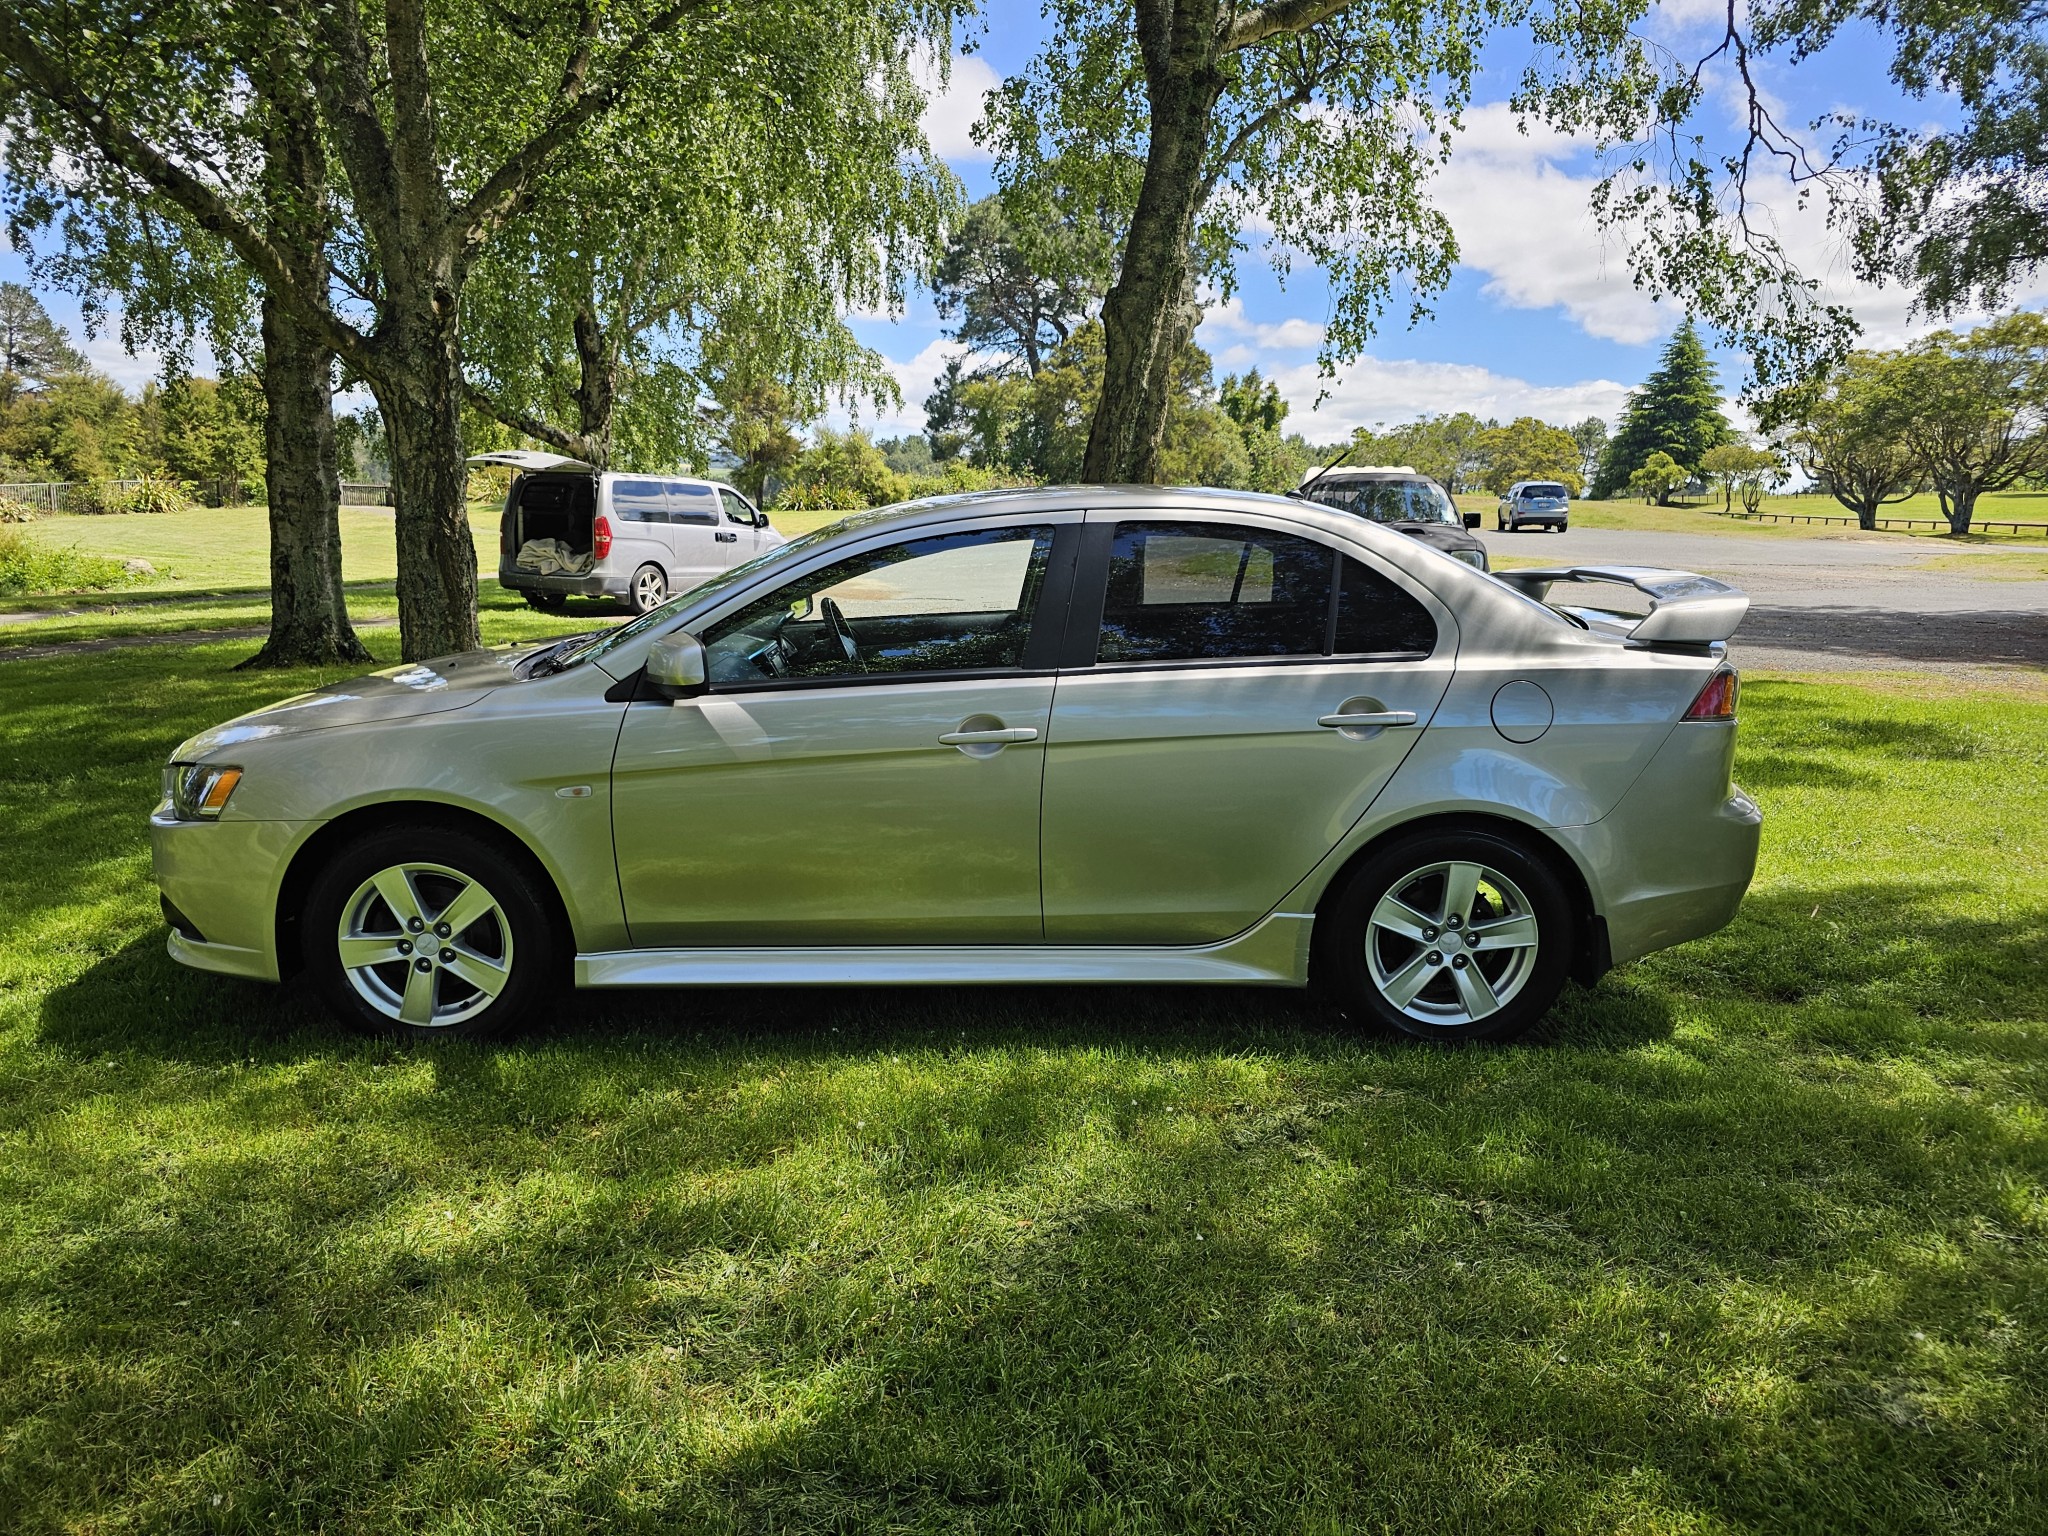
<point>1755,1239</point>
<point>1707,518</point>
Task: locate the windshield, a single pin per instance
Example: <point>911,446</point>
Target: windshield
<point>1389,501</point>
<point>610,639</point>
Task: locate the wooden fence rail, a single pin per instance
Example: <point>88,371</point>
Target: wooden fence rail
<point>1981,524</point>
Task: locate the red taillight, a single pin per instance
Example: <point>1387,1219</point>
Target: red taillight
<point>601,538</point>
<point>1717,699</point>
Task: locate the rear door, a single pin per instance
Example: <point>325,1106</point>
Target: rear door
<point>1199,762</point>
<point>697,534</point>
<point>639,524</point>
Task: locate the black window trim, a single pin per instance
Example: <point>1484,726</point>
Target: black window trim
<point>1091,592</point>
<point>1040,646</point>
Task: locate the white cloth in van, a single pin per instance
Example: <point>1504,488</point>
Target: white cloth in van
<point>544,557</point>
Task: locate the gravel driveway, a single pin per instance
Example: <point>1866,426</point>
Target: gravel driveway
<point>1839,604</point>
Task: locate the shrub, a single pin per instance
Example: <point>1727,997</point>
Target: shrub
<point>92,498</point>
<point>102,498</point>
<point>12,511</point>
<point>155,495</point>
<point>27,566</point>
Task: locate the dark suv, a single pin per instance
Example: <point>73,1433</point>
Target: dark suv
<point>1402,498</point>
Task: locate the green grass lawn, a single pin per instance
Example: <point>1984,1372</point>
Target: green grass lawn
<point>1755,1239</point>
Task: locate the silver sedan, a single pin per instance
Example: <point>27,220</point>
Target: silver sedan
<point>1078,735</point>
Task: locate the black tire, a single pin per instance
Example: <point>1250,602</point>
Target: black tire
<point>518,929</point>
<point>546,602</point>
<point>648,589</point>
<point>1351,948</point>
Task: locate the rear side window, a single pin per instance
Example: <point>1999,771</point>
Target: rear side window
<point>1206,592</point>
<point>1376,618</point>
<point>688,503</point>
<point>639,501</point>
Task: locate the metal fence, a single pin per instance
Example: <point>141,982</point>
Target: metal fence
<point>51,495</point>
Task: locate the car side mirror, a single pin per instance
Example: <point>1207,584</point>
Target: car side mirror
<point>676,667</point>
<point>1471,519</point>
<point>760,519</point>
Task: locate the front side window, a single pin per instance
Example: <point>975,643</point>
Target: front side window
<point>688,503</point>
<point>736,508</point>
<point>944,603</point>
<point>1211,592</point>
<point>639,501</point>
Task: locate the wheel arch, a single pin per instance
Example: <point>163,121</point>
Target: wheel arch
<point>1590,948</point>
<point>312,856</point>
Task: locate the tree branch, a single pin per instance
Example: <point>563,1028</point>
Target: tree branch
<point>128,149</point>
<point>533,426</point>
<point>1276,17</point>
<point>500,196</point>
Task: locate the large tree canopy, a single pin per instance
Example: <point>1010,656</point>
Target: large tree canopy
<point>1182,121</point>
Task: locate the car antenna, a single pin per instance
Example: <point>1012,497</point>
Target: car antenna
<point>1343,453</point>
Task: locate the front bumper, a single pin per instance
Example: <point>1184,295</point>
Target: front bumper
<point>593,584</point>
<point>223,877</point>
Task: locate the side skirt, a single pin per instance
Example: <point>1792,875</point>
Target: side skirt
<point>1273,952</point>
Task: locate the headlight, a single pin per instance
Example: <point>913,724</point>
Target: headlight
<point>1472,557</point>
<point>199,791</point>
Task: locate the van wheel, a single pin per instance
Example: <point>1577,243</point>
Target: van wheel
<point>420,931</point>
<point>1451,936</point>
<point>649,590</point>
<point>547,602</point>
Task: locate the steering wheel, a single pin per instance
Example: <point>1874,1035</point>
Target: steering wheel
<point>841,630</point>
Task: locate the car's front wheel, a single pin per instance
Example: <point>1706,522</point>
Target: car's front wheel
<point>1451,936</point>
<point>418,930</point>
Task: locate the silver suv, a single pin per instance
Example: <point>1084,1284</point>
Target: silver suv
<point>1534,504</point>
<point>569,530</point>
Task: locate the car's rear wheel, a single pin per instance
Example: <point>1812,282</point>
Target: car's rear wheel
<point>547,602</point>
<point>649,590</point>
<point>419,931</point>
<point>1451,936</point>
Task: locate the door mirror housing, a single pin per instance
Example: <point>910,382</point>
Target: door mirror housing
<point>676,667</point>
<point>1471,519</point>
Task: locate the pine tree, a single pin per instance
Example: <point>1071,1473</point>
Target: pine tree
<point>1677,411</point>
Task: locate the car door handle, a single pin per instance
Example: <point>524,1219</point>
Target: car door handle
<point>1370,718</point>
<point>726,538</point>
<point>995,738</point>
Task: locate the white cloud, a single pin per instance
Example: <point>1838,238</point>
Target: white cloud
<point>1395,390</point>
<point>950,112</point>
<point>1229,319</point>
<point>916,377</point>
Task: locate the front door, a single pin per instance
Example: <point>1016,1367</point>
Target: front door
<point>1201,760</point>
<point>866,767</point>
<point>740,531</point>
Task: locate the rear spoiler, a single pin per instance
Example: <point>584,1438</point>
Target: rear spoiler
<point>1685,608</point>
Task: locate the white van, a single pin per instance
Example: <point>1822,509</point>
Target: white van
<point>570,531</point>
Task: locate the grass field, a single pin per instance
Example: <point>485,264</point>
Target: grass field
<point>1755,1239</point>
<point>2019,506</point>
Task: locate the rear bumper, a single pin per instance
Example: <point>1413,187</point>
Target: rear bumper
<point>1672,861</point>
<point>594,584</point>
<point>1545,519</point>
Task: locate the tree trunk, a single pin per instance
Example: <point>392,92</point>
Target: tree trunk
<point>421,396</point>
<point>308,613</point>
<point>1959,507</point>
<point>1151,313</point>
<point>597,369</point>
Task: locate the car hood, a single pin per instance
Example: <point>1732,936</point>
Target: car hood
<point>396,693</point>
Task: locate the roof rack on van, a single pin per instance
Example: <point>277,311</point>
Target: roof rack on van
<point>1362,469</point>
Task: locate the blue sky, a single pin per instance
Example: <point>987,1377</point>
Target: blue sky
<point>1540,318</point>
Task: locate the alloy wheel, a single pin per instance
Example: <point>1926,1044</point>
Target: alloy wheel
<point>649,588</point>
<point>1451,943</point>
<point>425,944</point>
